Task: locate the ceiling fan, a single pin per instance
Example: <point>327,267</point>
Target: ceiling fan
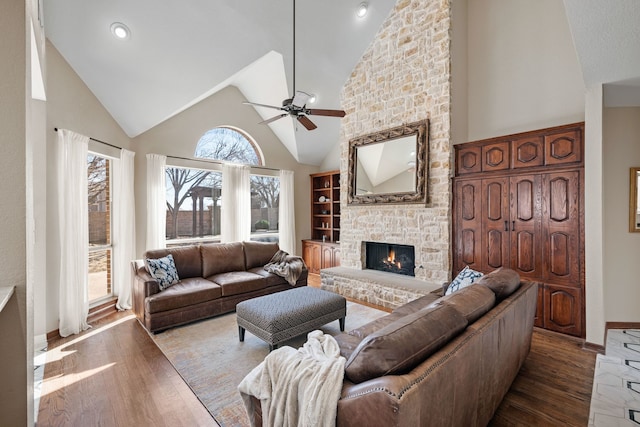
<point>296,106</point>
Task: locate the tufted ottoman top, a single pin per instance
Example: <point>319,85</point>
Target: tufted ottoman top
<point>284,315</point>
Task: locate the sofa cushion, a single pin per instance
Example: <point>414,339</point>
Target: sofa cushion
<point>221,258</point>
<point>472,302</point>
<point>270,278</point>
<point>186,258</point>
<point>400,346</point>
<point>189,291</point>
<point>163,270</point>
<point>417,304</point>
<point>238,282</point>
<point>503,282</point>
<point>257,254</point>
<point>465,278</point>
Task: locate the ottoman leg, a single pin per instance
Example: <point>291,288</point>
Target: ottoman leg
<point>341,320</point>
<point>241,333</point>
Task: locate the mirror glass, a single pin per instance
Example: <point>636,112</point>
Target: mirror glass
<point>634,200</point>
<point>386,167</point>
<point>389,166</point>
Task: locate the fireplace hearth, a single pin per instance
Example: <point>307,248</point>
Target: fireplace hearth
<point>389,257</point>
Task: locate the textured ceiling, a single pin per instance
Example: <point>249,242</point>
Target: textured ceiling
<point>180,52</point>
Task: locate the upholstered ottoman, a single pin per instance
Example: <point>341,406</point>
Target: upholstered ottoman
<point>281,316</point>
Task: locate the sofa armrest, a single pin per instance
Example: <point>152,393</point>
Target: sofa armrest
<point>143,286</point>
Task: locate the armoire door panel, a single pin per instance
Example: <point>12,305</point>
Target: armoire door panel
<point>495,156</point>
<point>563,147</point>
<point>527,152</point>
<point>495,201</point>
<point>495,249</point>
<point>525,251</point>
<point>563,309</point>
<point>526,239</point>
<point>561,228</point>
<point>468,202</point>
<point>468,247</point>
<point>468,225</point>
<point>495,222</point>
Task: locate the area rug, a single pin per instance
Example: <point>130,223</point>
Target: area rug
<point>212,361</point>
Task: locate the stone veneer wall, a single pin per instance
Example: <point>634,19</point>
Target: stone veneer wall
<point>403,77</point>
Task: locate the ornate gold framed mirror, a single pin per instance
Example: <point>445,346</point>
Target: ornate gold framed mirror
<point>389,166</point>
<point>634,200</point>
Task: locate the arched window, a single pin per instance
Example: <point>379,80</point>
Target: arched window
<point>194,195</point>
<point>229,144</point>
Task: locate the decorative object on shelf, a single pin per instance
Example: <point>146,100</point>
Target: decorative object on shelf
<point>322,199</point>
<point>326,184</point>
<point>324,212</point>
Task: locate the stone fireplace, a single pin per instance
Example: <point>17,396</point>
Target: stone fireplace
<point>403,77</point>
<point>389,257</point>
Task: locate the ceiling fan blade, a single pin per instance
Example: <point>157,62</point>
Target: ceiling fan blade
<point>306,122</point>
<point>300,99</point>
<point>273,119</point>
<point>320,112</point>
<point>262,105</point>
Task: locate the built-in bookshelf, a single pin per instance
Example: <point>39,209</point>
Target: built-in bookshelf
<point>325,206</point>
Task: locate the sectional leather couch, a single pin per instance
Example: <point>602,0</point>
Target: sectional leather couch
<point>214,277</point>
<point>437,361</point>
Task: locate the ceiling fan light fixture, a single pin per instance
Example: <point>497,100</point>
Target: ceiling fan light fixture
<point>312,98</point>
<point>362,9</point>
<point>120,31</point>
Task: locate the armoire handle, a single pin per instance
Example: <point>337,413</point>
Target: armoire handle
<point>506,226</point>
<point>513,226</point>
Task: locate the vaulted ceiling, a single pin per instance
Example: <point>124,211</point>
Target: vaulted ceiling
<point>182,51</point>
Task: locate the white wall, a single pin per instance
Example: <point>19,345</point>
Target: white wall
<point>523,72</point>
<point>179,135</point>
<point>621,148</point>
<point>70,105</point>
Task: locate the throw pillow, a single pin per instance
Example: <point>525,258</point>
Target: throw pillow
<point>465,278</point>
<point>164,271</point>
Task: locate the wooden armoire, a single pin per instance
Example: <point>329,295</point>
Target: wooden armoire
<point>519,203</point>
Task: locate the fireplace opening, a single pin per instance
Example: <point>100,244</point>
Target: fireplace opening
<point>399,259</point>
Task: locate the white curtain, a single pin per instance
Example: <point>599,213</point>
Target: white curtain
<point>73,215</point>
<point>286,213</point>
<point>156,201</point>
<point>236,203</point>
<point>124,230</point>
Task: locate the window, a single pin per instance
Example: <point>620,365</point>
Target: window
<point>99,206</point>
<point>194,195</point>
<point>265,200</point>
<point>193,203</point>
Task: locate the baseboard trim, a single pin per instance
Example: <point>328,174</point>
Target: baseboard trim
<point>95,313</point>
<point>593,347</point>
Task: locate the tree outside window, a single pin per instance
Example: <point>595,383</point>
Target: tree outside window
<point>194,195</point>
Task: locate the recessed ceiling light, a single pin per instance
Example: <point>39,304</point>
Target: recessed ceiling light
<point>120,31</point>
<point>362,9</point>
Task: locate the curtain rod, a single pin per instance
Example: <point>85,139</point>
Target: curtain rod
<point>218,162</point>
<point>97,140</point>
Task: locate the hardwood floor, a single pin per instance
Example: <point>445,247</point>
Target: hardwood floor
<point>114,375</point>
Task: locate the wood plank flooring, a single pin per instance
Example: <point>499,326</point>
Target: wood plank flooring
<point>114,375</point>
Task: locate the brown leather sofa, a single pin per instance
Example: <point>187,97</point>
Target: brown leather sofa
<point>214,277</point>
<point>438,361</point>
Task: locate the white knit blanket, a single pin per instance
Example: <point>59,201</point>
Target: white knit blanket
<point>297,387</point>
